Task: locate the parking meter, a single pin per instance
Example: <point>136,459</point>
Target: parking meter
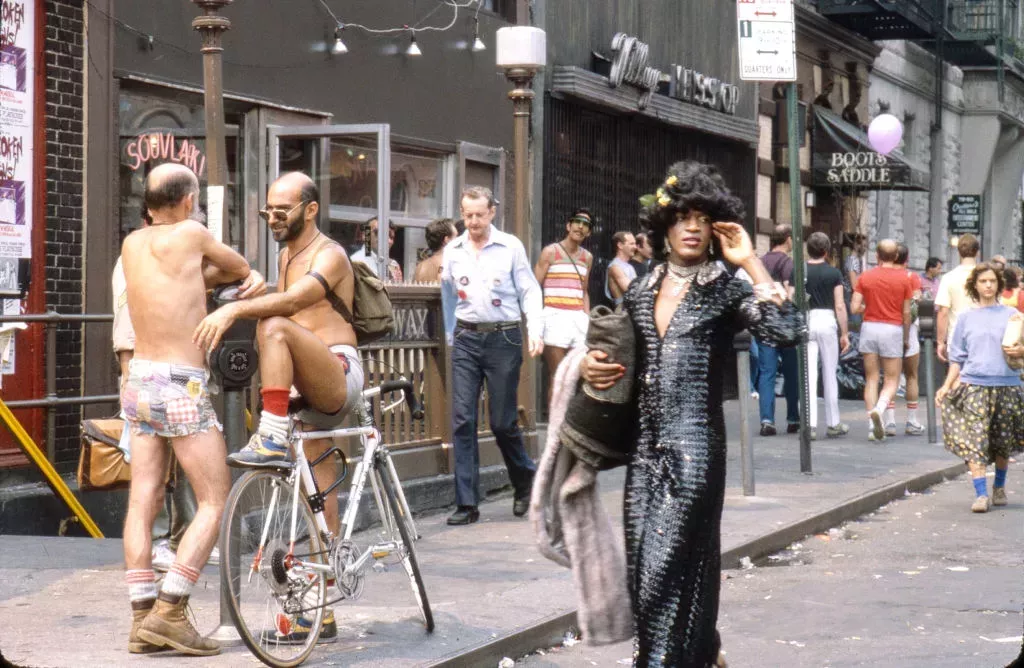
<point>235,360</point>
<point>926,332</point>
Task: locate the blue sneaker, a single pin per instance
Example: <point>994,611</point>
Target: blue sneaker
<point>295,631</point>
<point>261,452</point>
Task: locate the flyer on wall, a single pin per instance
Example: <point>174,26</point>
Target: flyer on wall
<point>17,84</point>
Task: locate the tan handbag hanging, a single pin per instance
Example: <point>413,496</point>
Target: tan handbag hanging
<point>101,464</point>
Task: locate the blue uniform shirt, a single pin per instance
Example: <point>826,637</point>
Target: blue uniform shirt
<point>496,285</point>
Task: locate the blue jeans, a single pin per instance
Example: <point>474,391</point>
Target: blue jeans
<point>754,357</point>
<point>768,365</point>
<point>493,357</point>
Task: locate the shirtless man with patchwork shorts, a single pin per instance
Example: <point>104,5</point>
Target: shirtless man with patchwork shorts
<point>165,398</point>
<point>305,342</point>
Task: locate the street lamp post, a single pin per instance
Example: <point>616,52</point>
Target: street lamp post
<point>211,26</point>
<point>521,52</point>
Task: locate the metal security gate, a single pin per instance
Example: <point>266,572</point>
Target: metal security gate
<point>605,162</point>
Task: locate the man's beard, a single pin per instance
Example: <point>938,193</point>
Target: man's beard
<point>292,231</point>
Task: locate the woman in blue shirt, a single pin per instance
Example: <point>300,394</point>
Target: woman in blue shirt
<point>982,401</point>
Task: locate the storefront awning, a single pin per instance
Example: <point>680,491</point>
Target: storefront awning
<point>842,157</point>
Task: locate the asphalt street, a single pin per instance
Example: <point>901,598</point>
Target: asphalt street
<point>920,582</point>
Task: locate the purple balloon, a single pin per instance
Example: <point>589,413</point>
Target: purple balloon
<point>885,133</point>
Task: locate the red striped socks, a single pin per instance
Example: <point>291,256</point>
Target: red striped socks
<point>141,584</point>
<point>180,579</point>
<point>912,412</point>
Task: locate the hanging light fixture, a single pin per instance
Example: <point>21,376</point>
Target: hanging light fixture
<point>478,44</point>
<point>339,47</point>
<point>414,48</point>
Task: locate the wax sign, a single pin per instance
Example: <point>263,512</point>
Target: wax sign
<point>160,147</point>
<point>965,215</point>
<point>17,44</point>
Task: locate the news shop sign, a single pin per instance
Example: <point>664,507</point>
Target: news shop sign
<point>965,213</point>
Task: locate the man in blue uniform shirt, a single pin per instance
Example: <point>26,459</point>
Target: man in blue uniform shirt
<point>487,274</point>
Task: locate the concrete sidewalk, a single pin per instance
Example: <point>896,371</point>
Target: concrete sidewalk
<point>63,600</point>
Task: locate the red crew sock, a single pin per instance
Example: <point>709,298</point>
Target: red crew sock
<point>275,400</point>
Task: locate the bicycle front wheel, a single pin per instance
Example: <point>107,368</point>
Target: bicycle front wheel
<point>409,562</point>
<point>276,594</point>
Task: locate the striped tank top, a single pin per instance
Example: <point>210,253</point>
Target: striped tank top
<point>563,284</point>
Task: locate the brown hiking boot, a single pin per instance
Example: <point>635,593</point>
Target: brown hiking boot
<point>139,611</point>
<point>168,626</point>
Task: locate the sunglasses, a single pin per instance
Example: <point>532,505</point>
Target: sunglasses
<point>279,215</point>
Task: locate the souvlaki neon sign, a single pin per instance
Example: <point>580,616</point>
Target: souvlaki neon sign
<point>630,65</point>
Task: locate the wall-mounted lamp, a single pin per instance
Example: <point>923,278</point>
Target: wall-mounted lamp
<point>810,199</point>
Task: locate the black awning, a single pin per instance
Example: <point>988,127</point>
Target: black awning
<point>842,157</point>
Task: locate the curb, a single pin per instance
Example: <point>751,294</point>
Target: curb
<point>551,630</point>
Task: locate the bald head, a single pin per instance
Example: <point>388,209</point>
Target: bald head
<point>168,185</point>
<point>295,187</point>
<point>887,250</point>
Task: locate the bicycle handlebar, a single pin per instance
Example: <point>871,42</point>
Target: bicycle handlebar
<point>415,406</point>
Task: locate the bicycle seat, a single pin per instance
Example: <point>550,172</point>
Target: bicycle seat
<point>297,405</point>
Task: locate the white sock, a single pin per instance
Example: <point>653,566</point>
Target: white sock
<point>890,415</point>
<point>179,579</point>
<point>882,405</point>
<point>141,584</point>
<point>274,426</point>
<point>912,412</point>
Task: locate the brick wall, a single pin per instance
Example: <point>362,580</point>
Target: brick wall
<point>64,203</point>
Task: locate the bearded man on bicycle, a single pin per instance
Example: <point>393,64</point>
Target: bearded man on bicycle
<point>304,341</point>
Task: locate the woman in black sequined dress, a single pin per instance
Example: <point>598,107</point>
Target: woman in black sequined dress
<point>685,313</point>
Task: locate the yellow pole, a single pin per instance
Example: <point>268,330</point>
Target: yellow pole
<point>43,464</point>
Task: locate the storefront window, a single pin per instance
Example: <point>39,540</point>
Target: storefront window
<point>169,126</point>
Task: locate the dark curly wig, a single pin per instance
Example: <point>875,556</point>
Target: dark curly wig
<point>690,186</point>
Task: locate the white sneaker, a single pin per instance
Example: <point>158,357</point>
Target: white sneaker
<point>877,430</point>
<point>163,556</point>
<point>890,429</point>
<point>914,429</point>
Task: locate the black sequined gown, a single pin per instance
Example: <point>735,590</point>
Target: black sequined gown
<point>675,484</point>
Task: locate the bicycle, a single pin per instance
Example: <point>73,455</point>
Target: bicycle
<point>274,529</point>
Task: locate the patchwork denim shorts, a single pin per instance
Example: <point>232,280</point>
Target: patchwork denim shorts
<point>167,400</point>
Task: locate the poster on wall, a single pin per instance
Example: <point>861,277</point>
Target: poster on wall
<point>17,83</point>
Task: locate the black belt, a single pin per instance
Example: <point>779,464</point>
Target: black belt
<point>487,327</point>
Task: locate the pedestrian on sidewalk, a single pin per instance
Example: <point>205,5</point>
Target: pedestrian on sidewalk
<point>642,259</point>
<point>911,358</point>
<point>779,265</point>
<point>685,314</point>
<point>439,233</point>
<point>883,296</point>
<point>827,333</point>
<point>982,401</point>
<point>562,272</point>
<point>166,399</point>
<point>488,272</point>
<point>620,272</point>
<point>930,278</point>
<point>952,298</point>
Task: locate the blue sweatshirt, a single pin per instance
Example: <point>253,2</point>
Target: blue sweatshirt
<point>977,346</point>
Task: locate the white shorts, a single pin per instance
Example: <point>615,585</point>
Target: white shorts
<point>565,329</point>
<point>881,338</point>
<point>915,343</point>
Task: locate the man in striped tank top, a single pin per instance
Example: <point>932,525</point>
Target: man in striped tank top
<point>562,273</point>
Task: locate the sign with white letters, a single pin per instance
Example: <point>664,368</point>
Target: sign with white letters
<point>767,40</point>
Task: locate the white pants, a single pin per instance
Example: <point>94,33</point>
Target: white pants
<point>823,338</point>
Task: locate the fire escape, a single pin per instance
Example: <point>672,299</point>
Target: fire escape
<point>966,33</point>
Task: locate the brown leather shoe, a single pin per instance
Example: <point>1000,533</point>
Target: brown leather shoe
<point>168,626</point>
<point>139,611</point>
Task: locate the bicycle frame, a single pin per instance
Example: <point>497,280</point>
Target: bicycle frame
<point>367,467</point>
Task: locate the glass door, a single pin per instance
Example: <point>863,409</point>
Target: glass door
<point>351,165</point>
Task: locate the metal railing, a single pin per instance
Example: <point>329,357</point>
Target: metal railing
<point>52,402</point>
<point>984,20</point>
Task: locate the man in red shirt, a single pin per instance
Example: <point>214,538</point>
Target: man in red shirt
<point>883,295</point>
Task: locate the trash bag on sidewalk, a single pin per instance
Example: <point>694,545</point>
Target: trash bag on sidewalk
<point>851,371</point>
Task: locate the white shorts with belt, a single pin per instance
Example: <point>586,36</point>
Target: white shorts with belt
<point>564,328</point>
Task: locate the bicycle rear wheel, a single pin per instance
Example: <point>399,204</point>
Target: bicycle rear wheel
<point>409,562</point>
<point>276,599</point>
